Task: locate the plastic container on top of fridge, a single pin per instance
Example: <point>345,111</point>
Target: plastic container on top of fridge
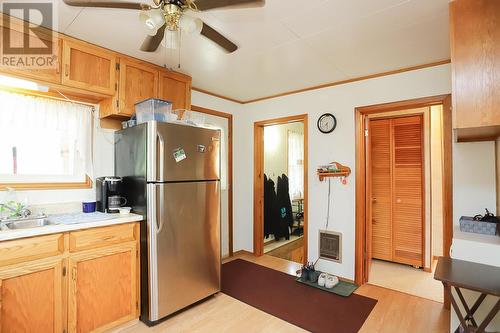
<point>153,109</point>
<point>193,118</point>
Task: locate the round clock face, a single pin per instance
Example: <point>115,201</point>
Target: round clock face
<point>327,123</point>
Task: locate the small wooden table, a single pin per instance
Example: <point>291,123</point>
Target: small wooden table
<point>484,279</point>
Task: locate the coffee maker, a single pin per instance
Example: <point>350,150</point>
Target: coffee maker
<point>108,194</point>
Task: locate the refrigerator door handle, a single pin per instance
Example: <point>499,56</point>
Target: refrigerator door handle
<point>161,148</point>
<point>160,211</point>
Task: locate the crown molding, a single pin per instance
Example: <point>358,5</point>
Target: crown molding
<point>327,85</point>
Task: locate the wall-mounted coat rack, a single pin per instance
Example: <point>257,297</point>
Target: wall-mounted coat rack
<point>334,169</point>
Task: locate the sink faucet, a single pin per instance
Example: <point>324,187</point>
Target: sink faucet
<point>18,211</point>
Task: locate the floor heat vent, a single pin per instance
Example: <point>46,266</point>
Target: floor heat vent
<point>330,245</point>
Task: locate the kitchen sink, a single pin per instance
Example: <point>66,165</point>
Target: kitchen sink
<point>27,223</point>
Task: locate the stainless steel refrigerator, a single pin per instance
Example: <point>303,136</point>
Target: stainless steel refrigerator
<point>171,176</point>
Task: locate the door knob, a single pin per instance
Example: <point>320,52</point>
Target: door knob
<point>398,200</point>
<point>374,199</point>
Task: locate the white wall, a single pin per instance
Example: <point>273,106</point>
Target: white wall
<point>474,187</point>
<point>324,148</point>
<point>215,103</point>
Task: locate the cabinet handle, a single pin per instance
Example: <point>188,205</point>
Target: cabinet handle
<point>66,70</point>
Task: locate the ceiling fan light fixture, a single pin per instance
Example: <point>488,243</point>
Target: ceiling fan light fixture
<point>153,20</point>
<point>171,40</point>
<point>190,24</point>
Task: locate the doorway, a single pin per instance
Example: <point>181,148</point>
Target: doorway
<point>224,121</point>
<point>395,192</point>
<point>280,188</point>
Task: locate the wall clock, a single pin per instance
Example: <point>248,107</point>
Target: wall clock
<point>327,123</point>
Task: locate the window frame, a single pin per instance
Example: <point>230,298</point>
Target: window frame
<point>88,183</point>
<point>48,186</point>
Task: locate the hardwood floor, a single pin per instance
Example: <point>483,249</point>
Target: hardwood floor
<point>395,312</point>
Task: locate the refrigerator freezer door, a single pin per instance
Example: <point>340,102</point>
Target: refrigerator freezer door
<point>183,245</point>
<point>182,153</point>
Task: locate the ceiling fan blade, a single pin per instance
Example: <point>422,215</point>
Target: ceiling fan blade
<point>107,4</point>
<point>214,4</point>
<point>151,43</point>
<point>217,38</point>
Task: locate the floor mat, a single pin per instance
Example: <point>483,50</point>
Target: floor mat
<point>280,295</point>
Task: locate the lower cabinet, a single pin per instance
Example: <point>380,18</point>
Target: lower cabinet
<point>103,288</point>
<point>90,290</point>
<point>32,297</point>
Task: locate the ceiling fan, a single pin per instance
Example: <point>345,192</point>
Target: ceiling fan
<point>170,16</point>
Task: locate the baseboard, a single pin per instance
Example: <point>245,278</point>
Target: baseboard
<point>427,269</point>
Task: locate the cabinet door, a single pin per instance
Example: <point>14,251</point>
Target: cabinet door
<point>176,89</point>
<point>137,83</point>
<point>381,188</point>
<point>103,288</point>
<point>52,72</point>
<point>475,54</point>
<point>31,297</point>
<point>89,68</point>
<point>408,190</point>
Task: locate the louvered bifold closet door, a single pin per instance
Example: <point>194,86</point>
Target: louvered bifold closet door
<point>407,226</point>
<point>381,194</point>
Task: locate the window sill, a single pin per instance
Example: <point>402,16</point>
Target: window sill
<point>47,186</point>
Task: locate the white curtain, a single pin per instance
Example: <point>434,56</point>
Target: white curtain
<point>23,116</point>
<point>296,164</point>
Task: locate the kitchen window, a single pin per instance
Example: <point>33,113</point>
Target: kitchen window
<point>45,143</point>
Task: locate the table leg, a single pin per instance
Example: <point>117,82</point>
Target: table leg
<point>470,314</point>
<point>457,310</point>
<point>489,317</point>
<point>478,302</point>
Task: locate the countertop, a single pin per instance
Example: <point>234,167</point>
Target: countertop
<point>69,222</point>
<point>473,237</point>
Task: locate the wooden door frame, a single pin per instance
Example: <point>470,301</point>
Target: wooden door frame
<point>361,114</point>
<point>258,188</point>
<point>229,118</point>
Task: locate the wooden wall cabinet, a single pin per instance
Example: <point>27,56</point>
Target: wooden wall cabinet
<point>475,59</point>
<point>176,88</point>
<point>137,81</point>
<point>96,75</point>
<point>88,67</point>
<point>80,281</point>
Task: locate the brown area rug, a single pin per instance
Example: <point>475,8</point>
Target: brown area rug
<point>280,295</point>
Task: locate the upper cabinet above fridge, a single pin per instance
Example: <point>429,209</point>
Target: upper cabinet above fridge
<point>475,59</point>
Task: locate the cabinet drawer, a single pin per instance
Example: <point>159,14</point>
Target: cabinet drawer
<point>21,250</point>
<point>99,237</point>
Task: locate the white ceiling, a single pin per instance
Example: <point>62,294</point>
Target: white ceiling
<point>287,45</point>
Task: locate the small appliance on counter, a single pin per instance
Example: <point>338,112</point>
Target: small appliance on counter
<point>109,194</point>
